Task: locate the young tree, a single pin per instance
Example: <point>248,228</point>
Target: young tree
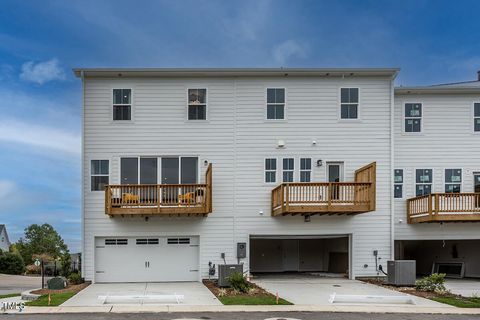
<point>41,239</point>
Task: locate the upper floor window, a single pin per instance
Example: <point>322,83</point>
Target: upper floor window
<point>271,170</point>
<point>197,104</point>
<point>349,103</point>
<point>99,171</point>
<point>423,181</point>
<point>275,103</point>
<point>476,117</point>
<point>122,104</point>
<point>288,169</point>
<point>305,169</point>
<point>398,183</point>
<point>413,117</point>
<point>453,180</point>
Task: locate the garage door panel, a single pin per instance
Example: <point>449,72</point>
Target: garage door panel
<point>153,261</point>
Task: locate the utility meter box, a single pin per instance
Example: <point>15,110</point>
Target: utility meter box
<point>241,250</point>
<point>225,270</point>
<point>401,272</point>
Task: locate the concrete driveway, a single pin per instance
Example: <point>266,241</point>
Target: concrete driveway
<point>464,287</point>
<point>312,290</point>
<point>18,284</point>
<point>195,293</point>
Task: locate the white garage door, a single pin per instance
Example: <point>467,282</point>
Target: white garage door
<point>142,259</point>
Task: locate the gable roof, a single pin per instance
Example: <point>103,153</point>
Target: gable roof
<point>3,227</point>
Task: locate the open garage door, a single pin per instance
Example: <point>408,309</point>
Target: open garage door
<point>456,258</point>
<point>322,254</point>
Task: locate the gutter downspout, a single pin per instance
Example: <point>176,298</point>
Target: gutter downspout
<point>82,206</point>
<point>392,168</point>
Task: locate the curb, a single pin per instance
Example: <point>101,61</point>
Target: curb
<point>29,296</point>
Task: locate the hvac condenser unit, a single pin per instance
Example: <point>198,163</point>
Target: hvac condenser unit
<point>401,272</point>
<point>225,270</point>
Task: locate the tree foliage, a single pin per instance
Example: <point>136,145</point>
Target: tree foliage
<point>41,240</point>
<point>11,263</point>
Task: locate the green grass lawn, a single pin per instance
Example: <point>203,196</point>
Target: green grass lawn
<point>2,296</point>
<point>56,299</point>
<point>252,300</point>
<point>461,302</point>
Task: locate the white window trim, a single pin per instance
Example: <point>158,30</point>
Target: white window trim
<point>265,170</point>
<point>445,178</point>
<point>159,166</point>
<point>339,103</point>
<point>473,118</point>
<point>265,103</point>
<point>300,168</point>
<point>193,87</point>
<point>422,117</point>
<point>109,175</point>
<point>292,171</point>
<point>415,180</point>
<point>132,107</point>
<point>403,183</point>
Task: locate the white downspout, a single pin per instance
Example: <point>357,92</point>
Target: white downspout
<point>392,168</point>
<point>82,206</point>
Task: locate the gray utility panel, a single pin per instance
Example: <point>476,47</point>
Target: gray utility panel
<point>401,272</point>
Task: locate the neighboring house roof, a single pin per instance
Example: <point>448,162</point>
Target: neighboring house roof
<point>456,87</point>
<point>233,72</point>
<point>4,228</point>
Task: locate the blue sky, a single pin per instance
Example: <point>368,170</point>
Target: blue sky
<point>41,41</point>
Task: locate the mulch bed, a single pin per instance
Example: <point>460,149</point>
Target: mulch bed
<point>409,290</point>
<point>70,288</point>
<point>212,286</point>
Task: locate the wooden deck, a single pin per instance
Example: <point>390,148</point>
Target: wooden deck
<point>444,207</point>
<point>332,198</point>
<point>160,199</point>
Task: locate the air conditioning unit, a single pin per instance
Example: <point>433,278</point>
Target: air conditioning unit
<point>401,272</point>
<point>225,270</point>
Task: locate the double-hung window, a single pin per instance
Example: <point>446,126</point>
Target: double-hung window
<point>349,103</point>
<point>275,103</point>
<point>398,183</point>
<point>271,170</point>
<point>423,181</point>
<point>413,117</point>
<point>122,104</point>
<point>288,169</point>
<point>99,171</point>
<point>476,117</point>
<point>305,169</point>
<point>197,104</point>
<point>453,180</point>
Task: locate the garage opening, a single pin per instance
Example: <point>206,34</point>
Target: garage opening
<point>325,255</point>
<point>456,258</point>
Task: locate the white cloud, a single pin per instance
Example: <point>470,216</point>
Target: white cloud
<point>6,188</point>
<point>42,72</point>
<point>14,131</point>
<point>289,49</point>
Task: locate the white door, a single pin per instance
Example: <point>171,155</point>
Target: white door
<point>146,259</point>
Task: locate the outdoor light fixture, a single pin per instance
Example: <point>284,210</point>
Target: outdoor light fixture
<point>281,144</point>
<point>205,163</point>
<point>319,163</point>
<point>306,218</point>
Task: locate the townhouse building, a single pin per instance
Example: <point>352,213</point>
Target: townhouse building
<point>283,170</point>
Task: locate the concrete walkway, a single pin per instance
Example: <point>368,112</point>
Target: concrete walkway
<point>311,290</point>
<point>464,287</point>
<point>195,293</point>
<point>17,284</point>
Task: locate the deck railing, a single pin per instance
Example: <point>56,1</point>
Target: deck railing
<point>444,207</point>
<point>160,198</point>
<point>327,197</point>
